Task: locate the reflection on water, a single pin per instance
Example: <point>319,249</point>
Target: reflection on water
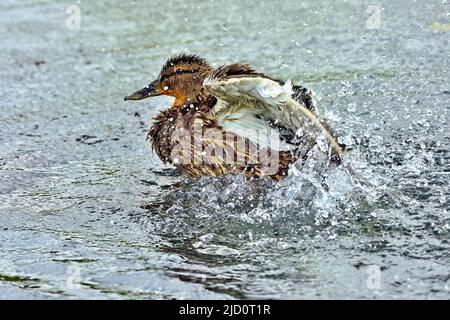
<point>87,211</point>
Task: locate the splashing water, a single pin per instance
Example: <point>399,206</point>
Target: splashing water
<point>87,211</point>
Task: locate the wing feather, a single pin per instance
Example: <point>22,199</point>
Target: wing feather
<point>252,99</point>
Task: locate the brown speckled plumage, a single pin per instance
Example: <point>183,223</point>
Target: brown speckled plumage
<point>192,114</point>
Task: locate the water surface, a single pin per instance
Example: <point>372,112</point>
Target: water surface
<point>87,211</point>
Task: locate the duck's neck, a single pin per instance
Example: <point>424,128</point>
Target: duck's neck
<point>180,100</point>
<point>183,99</point>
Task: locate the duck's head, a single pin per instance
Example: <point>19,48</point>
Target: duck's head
<point>181,77</point>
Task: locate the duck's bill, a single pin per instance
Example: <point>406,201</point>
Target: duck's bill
<point>149,91</point>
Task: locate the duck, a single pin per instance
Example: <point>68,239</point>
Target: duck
<point>234,119</point>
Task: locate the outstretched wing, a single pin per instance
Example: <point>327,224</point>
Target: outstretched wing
<point>250,102</point>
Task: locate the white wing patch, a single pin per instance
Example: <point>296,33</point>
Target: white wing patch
<point>246,102</point>
<point>258,88</point>
<point>246,124</point>
<point>273,92</point>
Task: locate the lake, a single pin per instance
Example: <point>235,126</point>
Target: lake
<point>87,211</point>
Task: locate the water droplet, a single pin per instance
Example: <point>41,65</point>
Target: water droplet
<point>351,107</point>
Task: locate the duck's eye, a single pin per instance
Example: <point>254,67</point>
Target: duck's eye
<point>179,71</point>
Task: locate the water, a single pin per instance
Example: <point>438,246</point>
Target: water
<point>87,211</point>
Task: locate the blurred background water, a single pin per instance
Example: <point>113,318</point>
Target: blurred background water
<point>87,211</point>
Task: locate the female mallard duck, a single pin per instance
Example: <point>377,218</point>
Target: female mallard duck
<point>234,119</point>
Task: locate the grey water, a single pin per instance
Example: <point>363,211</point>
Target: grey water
<point>88,211</point>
